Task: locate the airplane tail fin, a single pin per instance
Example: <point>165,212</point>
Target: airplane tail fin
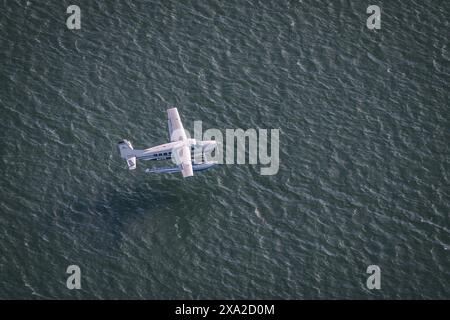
<point>127,153</point>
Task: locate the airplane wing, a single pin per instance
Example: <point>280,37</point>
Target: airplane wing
<point>176,130</point>
<point>177,133</point>
<point>185,164</point>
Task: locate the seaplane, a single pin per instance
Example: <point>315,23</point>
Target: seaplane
<point>188,154</point>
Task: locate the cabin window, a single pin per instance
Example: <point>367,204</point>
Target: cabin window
<point>160,154</point>
<point>165,153</point>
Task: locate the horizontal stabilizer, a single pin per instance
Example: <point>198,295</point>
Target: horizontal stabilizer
<point>127,152</point>
<point>131,162</point>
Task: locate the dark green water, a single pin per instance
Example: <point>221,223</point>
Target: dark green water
<point>364,125</point>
